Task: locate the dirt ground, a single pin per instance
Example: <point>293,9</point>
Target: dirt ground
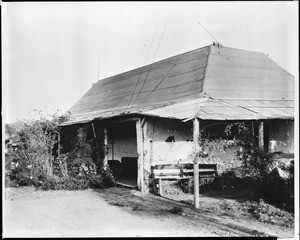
<point>121,212</point>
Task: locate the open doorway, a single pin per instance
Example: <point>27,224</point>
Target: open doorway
<point>123,156</point>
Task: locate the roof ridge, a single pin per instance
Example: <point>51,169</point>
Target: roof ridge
<point>267,55</point>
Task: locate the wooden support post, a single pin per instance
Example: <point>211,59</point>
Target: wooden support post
<point>196,135</point>
<point>160,187</point>
<point>261,135</point>
<point>105,142</point>
<point>139,139</point>
<point>94,132</point>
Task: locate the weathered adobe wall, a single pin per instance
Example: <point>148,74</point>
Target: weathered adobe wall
<point>281,136</point>
<point>171,152</point>
<point>181,151</point>
<point>225,157</point>
<point>220,151</point>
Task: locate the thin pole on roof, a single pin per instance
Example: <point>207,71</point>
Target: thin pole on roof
<point>208,32</point>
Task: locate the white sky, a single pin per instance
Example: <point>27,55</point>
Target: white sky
<point>51,49</point>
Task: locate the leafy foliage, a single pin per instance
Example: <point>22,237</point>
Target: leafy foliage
<point>260,171</point>
<point>35,161</point>
<point>257,170</point>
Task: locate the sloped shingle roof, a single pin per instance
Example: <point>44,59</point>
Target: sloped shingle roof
<point>210,83</point>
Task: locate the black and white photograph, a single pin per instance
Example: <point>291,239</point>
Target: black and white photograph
<point>150,119</point>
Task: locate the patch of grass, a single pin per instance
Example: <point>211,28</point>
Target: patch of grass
<point>176,210</point>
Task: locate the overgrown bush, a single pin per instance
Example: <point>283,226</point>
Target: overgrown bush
<point>36,162</point>
<point>33,155</point>
<point>259,172</point>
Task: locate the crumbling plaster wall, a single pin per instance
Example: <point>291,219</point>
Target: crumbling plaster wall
<point>220,151</point>
<point>172,152</point>
<point>281,135</point>
<point>158,151</point>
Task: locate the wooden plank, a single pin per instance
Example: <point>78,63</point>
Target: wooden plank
<point>172,177</point>
<point>166,171</point>
<point>166,166</point>
<point>200,170</point>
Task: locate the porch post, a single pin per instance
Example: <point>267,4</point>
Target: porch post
<point>196,135</point>
<point>139,139</point>
<point>261,135</point>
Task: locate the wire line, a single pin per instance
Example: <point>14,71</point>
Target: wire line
<point>151,63</point>
<point>143,65</point>
<point>165,77</point>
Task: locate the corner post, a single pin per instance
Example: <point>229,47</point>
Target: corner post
<point>196,135</point>
<point>140,151</point>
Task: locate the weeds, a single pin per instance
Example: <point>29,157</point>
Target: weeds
<point>176,210</point>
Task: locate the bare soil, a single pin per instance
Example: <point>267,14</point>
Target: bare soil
<point>234,207</point>
<point>121,212</point>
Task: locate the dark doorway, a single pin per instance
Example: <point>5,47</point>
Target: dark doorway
<point>122,157</point>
